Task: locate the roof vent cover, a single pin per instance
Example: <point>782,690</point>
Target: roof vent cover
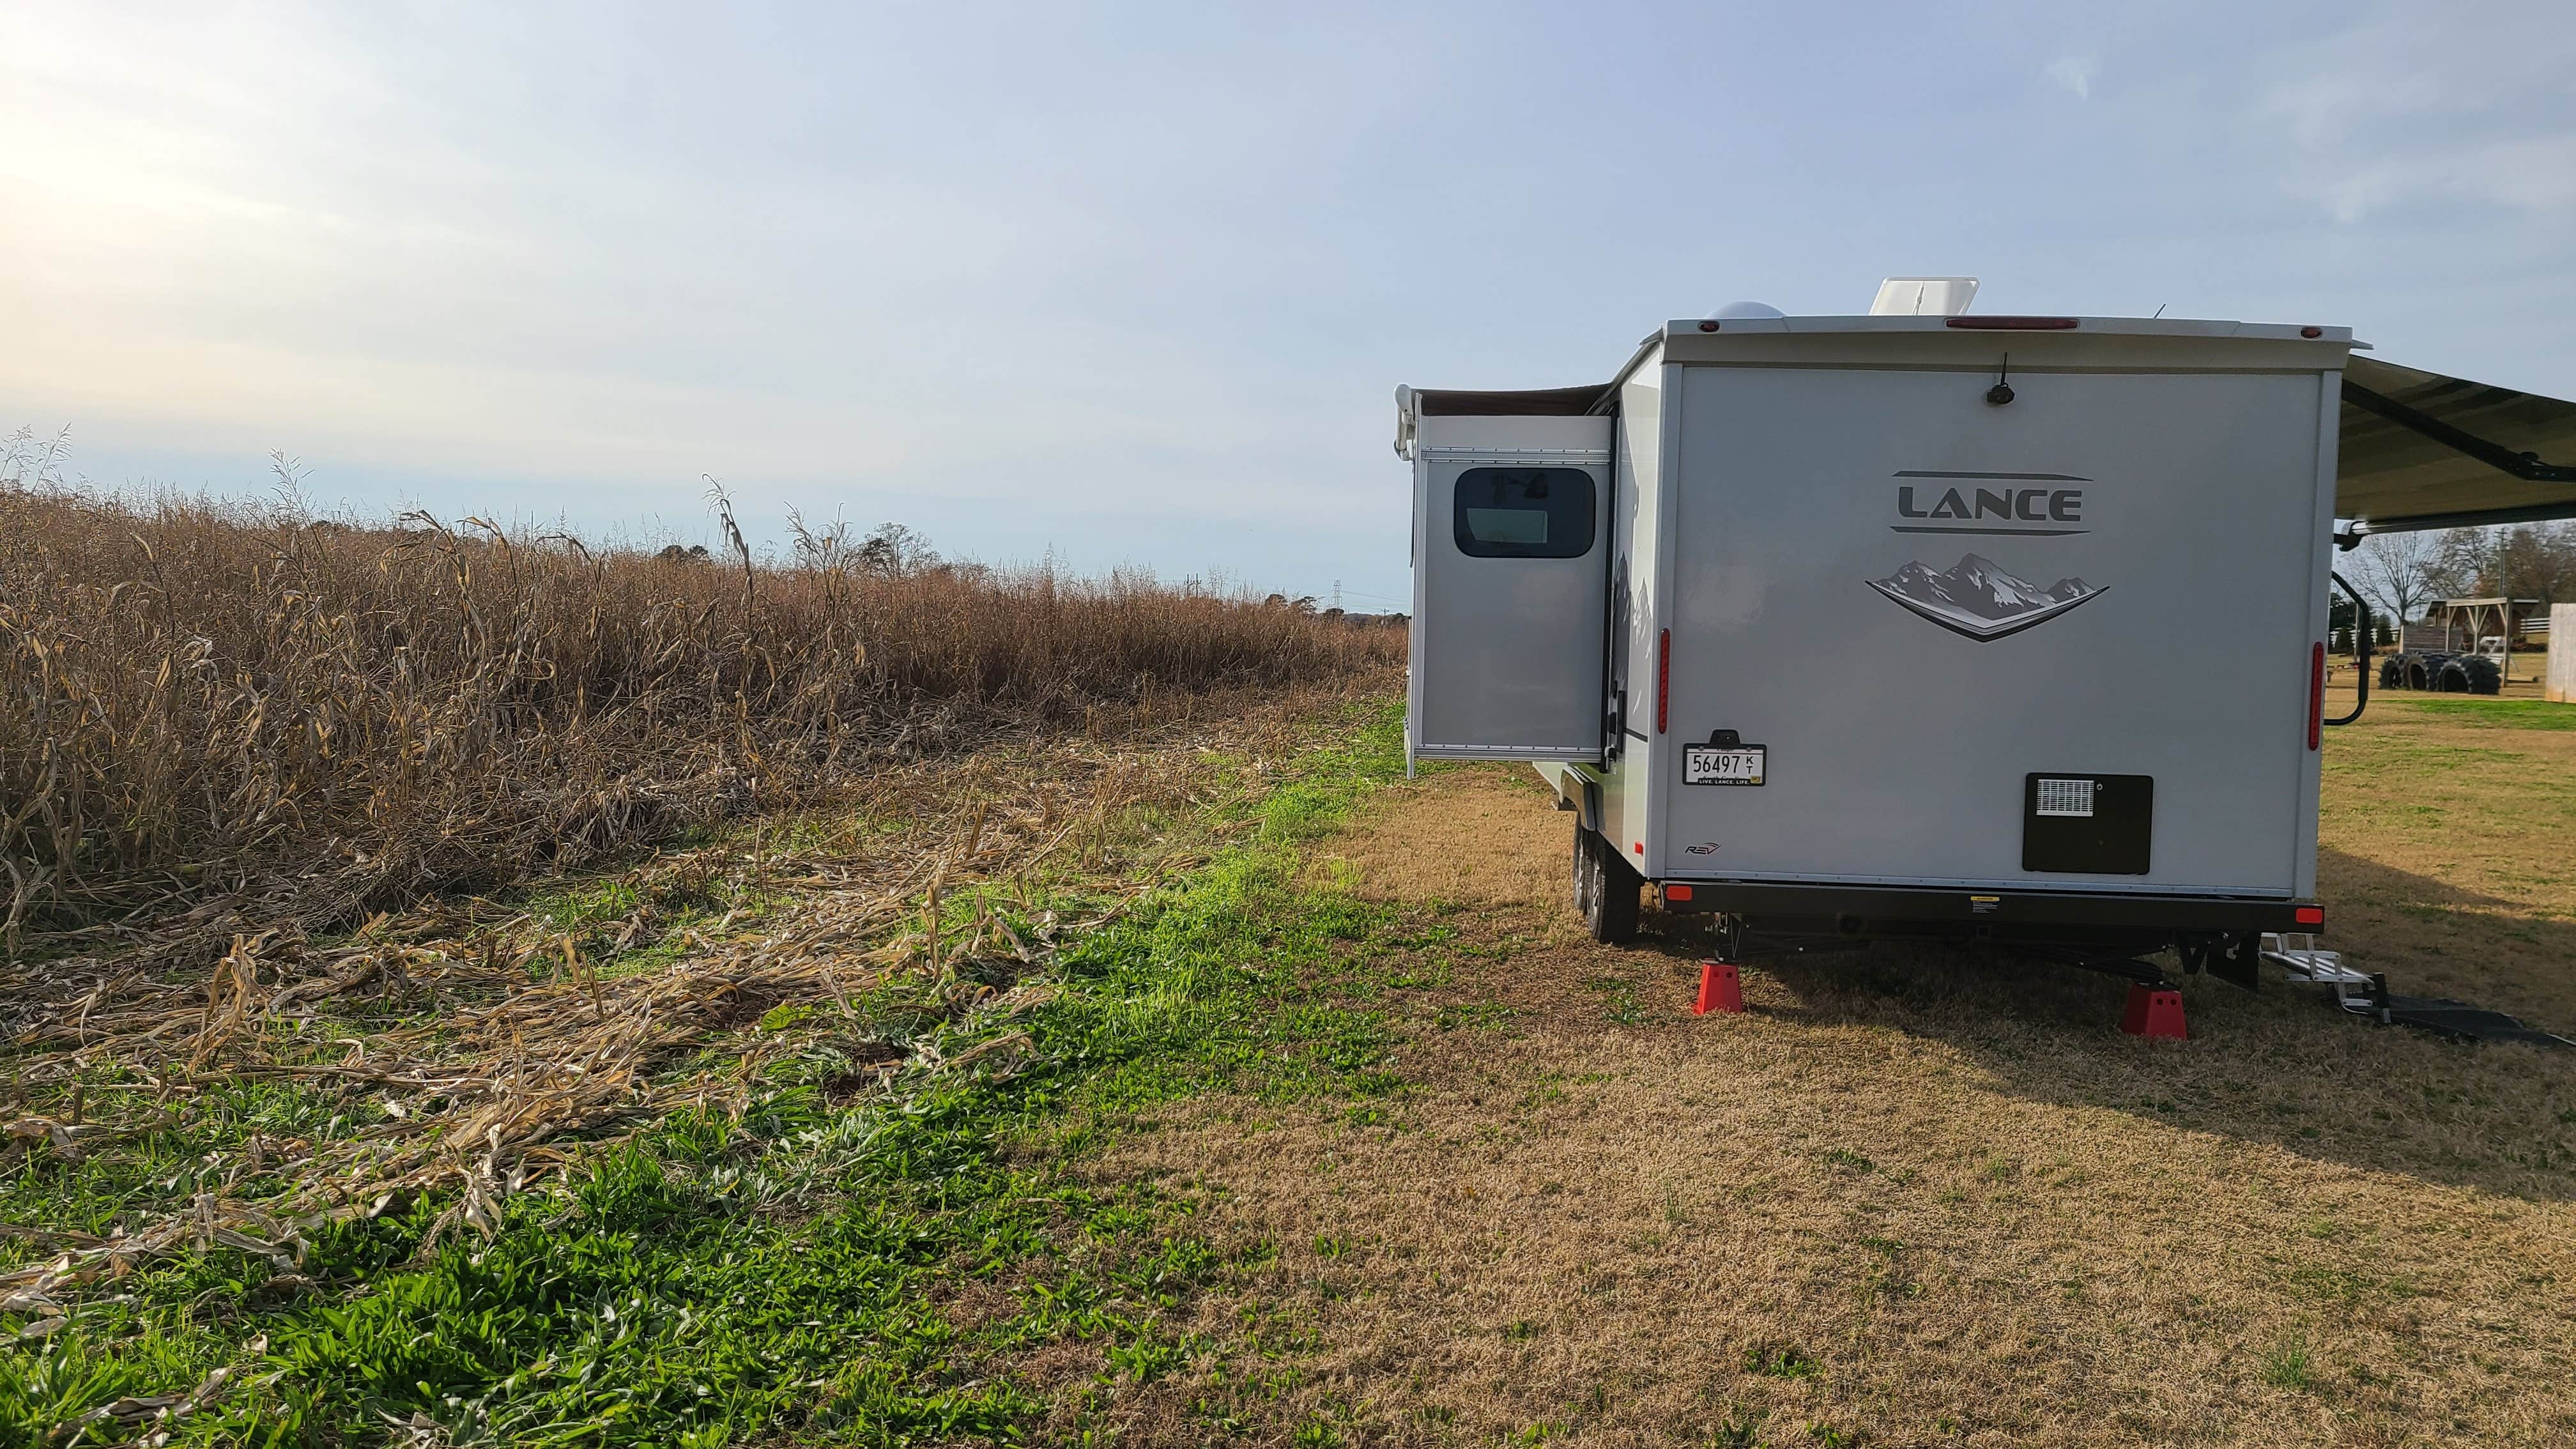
<point>1924,297</point>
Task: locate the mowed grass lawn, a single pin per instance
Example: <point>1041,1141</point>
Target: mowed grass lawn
<point>1918,1197</point>
<point>1345,1134</point>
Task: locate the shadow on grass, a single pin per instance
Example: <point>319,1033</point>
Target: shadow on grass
<point>2278,1065</point>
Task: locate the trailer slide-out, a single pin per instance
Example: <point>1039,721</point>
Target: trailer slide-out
<point>1920,625</point>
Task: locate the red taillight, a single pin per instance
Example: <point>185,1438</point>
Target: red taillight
<point>2316,695</point>
<point>2309,915</point>
<point>1663,678</point>
<point>2012,324</point>
<point>1677,893</point>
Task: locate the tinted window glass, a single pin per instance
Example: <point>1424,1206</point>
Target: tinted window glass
<point>1524,513</point>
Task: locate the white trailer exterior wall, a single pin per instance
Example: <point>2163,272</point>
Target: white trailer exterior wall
<point>2147,524</point>
<point>2558,682</point>
<point>2180,516</point>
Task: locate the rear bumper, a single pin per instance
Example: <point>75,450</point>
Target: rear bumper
<point>1920,910</point>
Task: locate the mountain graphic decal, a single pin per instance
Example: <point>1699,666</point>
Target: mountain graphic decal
<point>1977,598</point>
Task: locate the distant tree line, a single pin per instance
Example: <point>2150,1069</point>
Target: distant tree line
<point>2403,575</point>
<point>890,550</point>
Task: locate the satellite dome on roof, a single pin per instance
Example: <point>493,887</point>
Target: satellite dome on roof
<point>1745,311</point>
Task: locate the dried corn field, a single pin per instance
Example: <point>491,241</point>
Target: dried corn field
<point>226,720</point>
<point>378,895</point>
<point>757,1026</point>
<point>242,750</point>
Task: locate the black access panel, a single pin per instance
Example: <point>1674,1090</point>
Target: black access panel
<point>2087,824</point>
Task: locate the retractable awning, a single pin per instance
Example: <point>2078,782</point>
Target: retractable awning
<point>2421,450</point>
<point>1552,402</point>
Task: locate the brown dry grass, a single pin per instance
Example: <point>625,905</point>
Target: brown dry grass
<point>1919,1198</point>
<point>229,735</point>
<point>221,720</point>
<point>2449,836</point>
<point>496,1051</point>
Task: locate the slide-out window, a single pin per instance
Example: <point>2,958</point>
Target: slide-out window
<point>1524,513</point>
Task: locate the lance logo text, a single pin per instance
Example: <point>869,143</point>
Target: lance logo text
<point>1990,503</point>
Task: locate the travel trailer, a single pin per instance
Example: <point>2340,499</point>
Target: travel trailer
<point>1932,623</point>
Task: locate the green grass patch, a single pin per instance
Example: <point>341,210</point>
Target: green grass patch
<point>158,1166</point>
<point>1620,1002</point>
<point>2519,714</point>
<point>1781,1361</point>
<point>875,1274</point>
<point>2286,1364</point>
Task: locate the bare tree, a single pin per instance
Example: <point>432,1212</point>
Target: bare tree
<point>2521,562</point>
<point>2401,573</point>
<point>2541,563</point>
<point>896,551</point>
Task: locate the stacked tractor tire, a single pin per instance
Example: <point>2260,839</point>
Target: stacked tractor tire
<point>2440,673</point>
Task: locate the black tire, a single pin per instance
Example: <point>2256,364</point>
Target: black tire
<point>1610,912</point>
<point>2392,674</point>
<point>2485,675</point>
<point>2416,676</point>
<point>2454,679</point>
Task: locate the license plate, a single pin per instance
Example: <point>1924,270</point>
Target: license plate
<point>1714,765</point>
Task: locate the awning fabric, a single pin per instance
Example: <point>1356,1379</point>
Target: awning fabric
<point>1554,402</point>
<point>2421,450</point>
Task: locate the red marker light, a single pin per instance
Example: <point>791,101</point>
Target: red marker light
<point>2309,915</point>
<point>1677,893</point>
<point>2316,696</point>
<point>2312,332</point>
<point>2012,324</point>
<point>1663,678</point>
<point>1708,326</point>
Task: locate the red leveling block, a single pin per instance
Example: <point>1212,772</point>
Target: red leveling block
<point>2154,1011</point>
<point>1720,988</point>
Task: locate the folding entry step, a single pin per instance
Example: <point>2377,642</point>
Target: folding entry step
<point>2369,996</point>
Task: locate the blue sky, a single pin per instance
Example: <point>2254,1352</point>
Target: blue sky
<point>1136,283</point>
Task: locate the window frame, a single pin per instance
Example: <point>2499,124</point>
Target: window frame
<point>1560,474</point>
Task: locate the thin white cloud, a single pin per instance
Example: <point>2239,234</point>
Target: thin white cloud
<point>250,225</point>
<point>2076,73</point>
<point>2536,175</point>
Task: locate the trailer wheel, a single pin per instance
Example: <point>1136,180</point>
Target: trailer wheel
<point>1612,886</point>
<point>2485,675</point>
<point>2454,679</point>
<point>1582,870</point>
